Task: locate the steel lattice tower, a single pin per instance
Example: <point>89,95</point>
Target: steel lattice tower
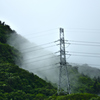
<point>63,85</point>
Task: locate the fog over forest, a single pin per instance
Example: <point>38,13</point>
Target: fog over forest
<point>44,63</point>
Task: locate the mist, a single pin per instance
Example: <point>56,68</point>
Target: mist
<point>45,64</point>
<point>35,58</point>
<point>35,61</point>
<point>89,71</point>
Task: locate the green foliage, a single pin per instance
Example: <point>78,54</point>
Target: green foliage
<point>17,83</point>
<point>79,96</point>
<point>81,83</point>
<point>88,85</point>
<point>5,32</point>
<point>8,54</point>
<point>95,98</point>
<point>40,96</point>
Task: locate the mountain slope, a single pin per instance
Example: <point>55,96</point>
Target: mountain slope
<point>17,83</point>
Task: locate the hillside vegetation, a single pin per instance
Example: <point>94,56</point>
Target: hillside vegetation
<point>19,84</point>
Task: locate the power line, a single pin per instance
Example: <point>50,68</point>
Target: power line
<point>84,30</point>
<point>39,56</point>
<point>35,37</point>
<point>83,44</point>
<point>81,29</point>
<point>39,45</point>
<point>84,41</point>
<point>25,61</point>
<point>40,60</point>
<point>48,69</point>
<point>45,66</point>
<point>68,57</point>
<point>43,33</point>
<point>66,43</point>
<point>83,52</point>
<point>84,55</point>
<point>38,49</point>
<point>84,63</point>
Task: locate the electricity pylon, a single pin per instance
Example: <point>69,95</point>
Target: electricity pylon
<point>64,84</point>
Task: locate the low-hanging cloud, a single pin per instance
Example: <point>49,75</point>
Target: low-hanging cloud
<point>44,63</point>
<point>35,58</point>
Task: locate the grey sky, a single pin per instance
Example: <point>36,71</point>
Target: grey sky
<point>79,18</point>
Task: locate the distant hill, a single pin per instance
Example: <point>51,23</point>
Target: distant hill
<point>89,71</point>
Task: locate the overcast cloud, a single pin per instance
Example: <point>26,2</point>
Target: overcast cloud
<point>79,18</point>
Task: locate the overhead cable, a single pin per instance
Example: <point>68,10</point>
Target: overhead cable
<point>84,55</point>
<point>40,60</point>
<point>38,49</point>
<point>83,44</point>
<point>83,41</point>
<point>51,54</point>
<point>83,52</point>
<point>38,45</point>
<point>47,69</point>
<point>84,63</point>
<point>42,32</point>
<point>45,66</point>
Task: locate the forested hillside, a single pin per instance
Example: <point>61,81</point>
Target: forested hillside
<point>81,83</point>
<point>19,84</point>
